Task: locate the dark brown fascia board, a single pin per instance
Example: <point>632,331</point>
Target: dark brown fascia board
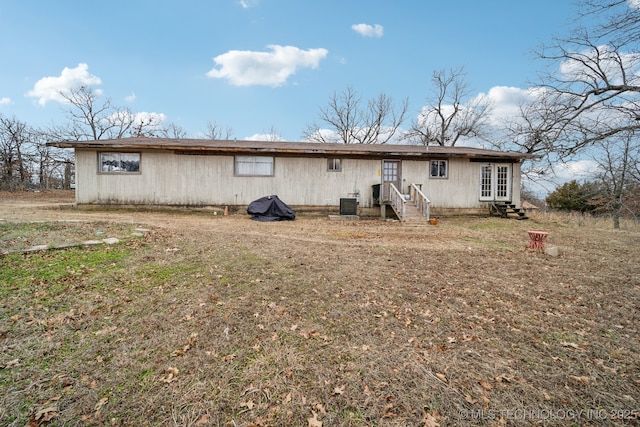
<point>193,147</point>
<point>349,154</point>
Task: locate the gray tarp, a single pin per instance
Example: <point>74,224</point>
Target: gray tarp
<point>270,208</point>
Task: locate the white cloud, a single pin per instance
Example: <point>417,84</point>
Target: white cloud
<point>367,30</point>
<point>608,59</point>
<point>265,137</point>
<point>249,68</point>
<point>5,101</point>
<point>49,88</point>
<point>246,4</point>
<point>541,184</point>
<point>577,169</point>
<point>634,4</point>
<point>130,98</point>
<point>506,102</point>
<point>151,121</point>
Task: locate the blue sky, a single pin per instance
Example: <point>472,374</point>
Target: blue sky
<point>261,65</point>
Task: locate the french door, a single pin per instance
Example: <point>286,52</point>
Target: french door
<point>495,182</point>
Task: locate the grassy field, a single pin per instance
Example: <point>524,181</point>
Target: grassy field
<point>221,321</point>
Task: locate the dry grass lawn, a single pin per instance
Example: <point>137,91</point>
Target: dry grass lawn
<point>201,320</point>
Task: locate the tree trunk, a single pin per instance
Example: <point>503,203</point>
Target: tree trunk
<point>66,184</point>
<point>616,209</point>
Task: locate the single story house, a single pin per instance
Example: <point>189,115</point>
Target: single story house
<point>221,173</point>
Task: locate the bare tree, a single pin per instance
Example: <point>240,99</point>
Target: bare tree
<point>52,165</point>
<point>349,121</point>
<point>618,161</point>
<point>591,90</point>
<point>273,135</point>
<point>15,147</point>
<point>218,132</point>
<point>93,119</point>
<point>172,130</point>
<point>87,116</point>
<point>450,113</point>
<point>619,20</point>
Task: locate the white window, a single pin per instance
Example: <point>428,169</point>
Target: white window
<point>334,165</point>
<point>119,163</point>
<point>439,168</point>
<point>486,182</point>
<point>254,166</point>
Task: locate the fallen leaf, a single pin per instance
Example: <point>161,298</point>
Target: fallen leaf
<point>101,403</point>
<point>170,375</point>
<point>485,385</point>
<point>582,380</point>
<point>203,421</point>
<point>54,399</point>
<point>178,352</point>
<point>571,344</point>
<point>14,362</point>
<point>503,379</point>
<point>46,414</point>
<point>442,378</point>
<point>106,330</point>
<point>338,390</point>
<point>429,420</point>
<point>314,421</point>
<point>320,407</point>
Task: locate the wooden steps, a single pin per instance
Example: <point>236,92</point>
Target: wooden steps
<point>507,210</point>
<point>413,215</point>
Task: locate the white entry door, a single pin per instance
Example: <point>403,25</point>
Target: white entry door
<point>495,182</point>
<point>391,174</point>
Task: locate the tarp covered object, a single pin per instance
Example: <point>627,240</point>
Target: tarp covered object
<point>270,208</point>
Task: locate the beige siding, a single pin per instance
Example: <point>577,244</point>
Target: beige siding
<point>460,190</point>
<point>167,178</point>
<point>199,180</point>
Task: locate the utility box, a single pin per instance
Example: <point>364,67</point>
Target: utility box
<point>348,206</point>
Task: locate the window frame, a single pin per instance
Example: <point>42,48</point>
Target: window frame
<point>118,158</point>
<point>254,171</point>
<point>439,163</point>
<point>334,164</point>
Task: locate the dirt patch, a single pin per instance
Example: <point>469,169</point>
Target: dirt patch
<point>210,320</point>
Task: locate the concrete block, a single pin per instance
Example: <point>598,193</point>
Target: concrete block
<point>552,251</point>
